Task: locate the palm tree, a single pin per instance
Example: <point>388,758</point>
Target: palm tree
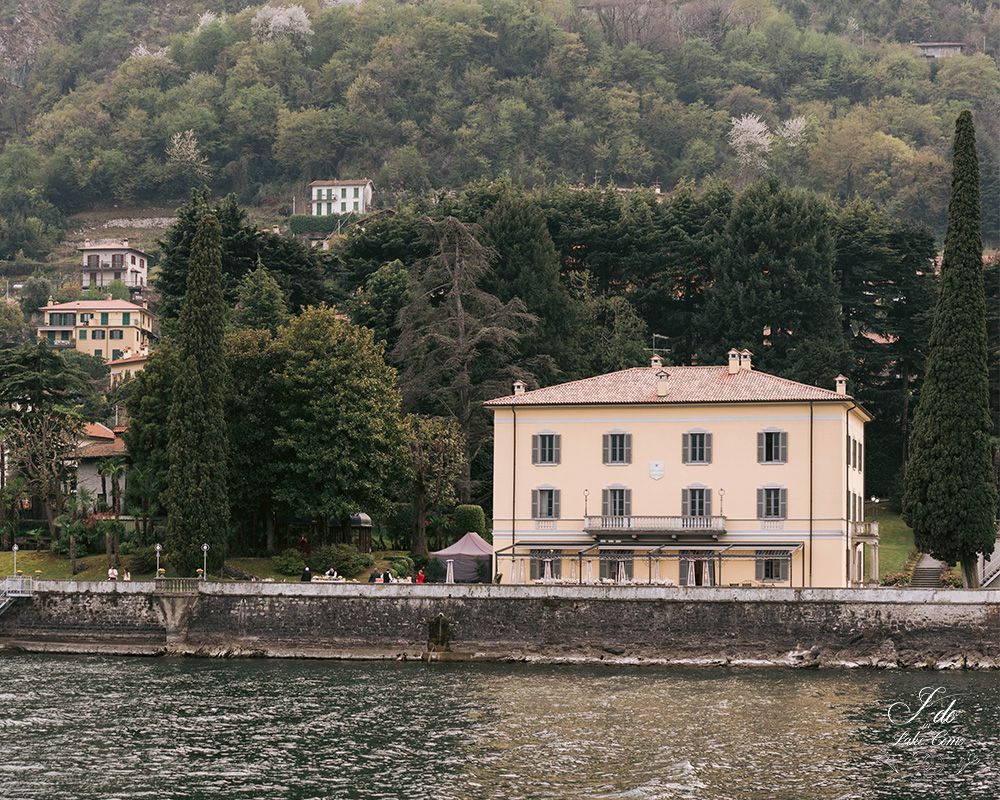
<point>78,506</point>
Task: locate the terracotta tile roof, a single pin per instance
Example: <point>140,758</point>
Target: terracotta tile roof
<point>357,182</point>
<point>103,449</point>
<point>711,384</point>
<point>100,305</point>
<point>95,430</point>
<point>132,359</point>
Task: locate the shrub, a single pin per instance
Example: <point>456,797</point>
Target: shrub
<point>951,578</point>
<point>289,562</point>
<point>896,579</point>
<point>344,558</point>
<point>466,518</point>
<point>143,560</point>
<point>402,566</point>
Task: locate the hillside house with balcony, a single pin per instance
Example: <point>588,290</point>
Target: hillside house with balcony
<point>328,198</point>
<point>697,476</point>
<point>104,328</point>
<point>104,262</point>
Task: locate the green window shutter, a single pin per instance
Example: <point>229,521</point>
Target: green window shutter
<point>760,448</point>
<point>783,447</point>
<point>83,333</point>
<point>849,440</point>
<point>535,456</point>
<point>628,502</point>
<point>534,503</point>
<point>126,317</point>
<point>555,503</point>
<point>708,502</point>
<point>783,565</point>
<point>685,502</point>
<point>708,448</point>
<point>684,569</point>
<point>685,448</point>
<point>104,317</point>
<point>605,502</point>
<point>556,448</point>
<point>783,503</point>
<point>628,448</point>
<point>607,448</point>
<point>759,567</point>
<point>861,457</point>
<point>760,504</point>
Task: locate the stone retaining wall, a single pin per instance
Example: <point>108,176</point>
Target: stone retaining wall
<point>796,627</point>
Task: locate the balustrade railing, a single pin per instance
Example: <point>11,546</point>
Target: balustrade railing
<point>646,523</point>
<point>177,585</point>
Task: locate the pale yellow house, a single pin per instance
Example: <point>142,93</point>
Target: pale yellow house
<point>127,366</point>
<point>696,476</point>
<point>104,328</point>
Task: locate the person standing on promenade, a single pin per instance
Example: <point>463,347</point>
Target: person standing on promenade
<point>421,578</point>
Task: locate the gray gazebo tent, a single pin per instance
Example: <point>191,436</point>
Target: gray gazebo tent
<point>472,555</point>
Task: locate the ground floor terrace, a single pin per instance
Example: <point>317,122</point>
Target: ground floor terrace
<point>703,557</point>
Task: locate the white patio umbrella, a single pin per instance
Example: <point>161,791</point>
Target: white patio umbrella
<point>621,577</point>
<point>706,573</point>
<point>450,577</point>
<point>692,581</point>
<point>590,572</point>
<point>547,570</point>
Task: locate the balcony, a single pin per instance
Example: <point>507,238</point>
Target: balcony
<point>647,525</point>
<point>864,531</point>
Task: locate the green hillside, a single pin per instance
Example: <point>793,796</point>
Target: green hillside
<point>99,98</point>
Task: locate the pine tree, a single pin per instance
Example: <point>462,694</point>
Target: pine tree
<point>197,498</point>
<point>260,301</point>
<point>950,498</point>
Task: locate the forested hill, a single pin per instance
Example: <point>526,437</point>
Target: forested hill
<point>99,97</point>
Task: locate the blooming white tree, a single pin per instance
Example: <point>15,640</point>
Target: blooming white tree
<point>141,51</point>
<point>793,132</point>
<point>206,19</point>
<point>185,163</point>
<point>750,137</point>
<point>275,22</point>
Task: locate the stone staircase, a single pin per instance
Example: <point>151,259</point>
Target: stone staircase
<point>927,573</point>
<point>13,588</point>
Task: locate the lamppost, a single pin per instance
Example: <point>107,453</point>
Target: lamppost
<point>14,549</point>
<point>204,558</point>
<point>158,548</point>
<point>875,501</point>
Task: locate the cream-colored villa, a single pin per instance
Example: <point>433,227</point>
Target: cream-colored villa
<point>689,476</point>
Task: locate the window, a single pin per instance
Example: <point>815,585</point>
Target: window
<point>772,447</point>
<point>697,566</point>
<point>861,457</point>
<point>343,192</point>
<point>696,501</point>
<point>85,318</point>
<point>126,317</point>
<point>97,335</point>
<point>329,209</point>
<point>616,501</point>
<point>118,276</point>
<point>117,260</point>
<point>93,278</point>
<point>83,334</point>
<point>355,205</point>
<point>545,448</point>
<point>617,448</point>
<point>545,504</point>
<point>104,317</point>
<point>772,503</point>
<point>116,354</point>
<point>133,259</point>
<point>617,565</point>
<point>116,334</point>
<point>343,207</point>
<point>539,558</point>
<point>356,190</point>
<point>98,353</point>
<point>93,262</point>
<point>696,448</point>
<point>142,263</point>
<point>51,335</point>
<point>771,566</point>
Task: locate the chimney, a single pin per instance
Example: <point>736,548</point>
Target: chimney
<point>276,230</point>
<point>124,242</point>
<point>734,361</point>
<point>745,360</point>
<point>519,387</point>
<point>656,360</point>
<point>86,242</point>
<point>661,382</point>
<point>841,384</point>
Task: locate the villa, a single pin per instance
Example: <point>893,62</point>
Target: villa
<point>107,329</point>
<point>690,476</point>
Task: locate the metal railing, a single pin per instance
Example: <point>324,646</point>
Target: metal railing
<point>17,586</point>
<point>672,523</point>
<point>177,585</point>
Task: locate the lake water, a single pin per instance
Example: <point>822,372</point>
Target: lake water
<point>96,727</point>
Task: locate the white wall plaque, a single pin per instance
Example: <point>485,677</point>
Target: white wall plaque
<point>656,470</point>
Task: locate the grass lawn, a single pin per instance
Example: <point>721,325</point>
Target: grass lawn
<point>895,543</point>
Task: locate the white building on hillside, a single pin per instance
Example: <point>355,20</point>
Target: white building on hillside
<point>340,197</point>
<point>104,262</point>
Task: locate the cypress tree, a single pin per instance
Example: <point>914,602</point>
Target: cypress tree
<point>950,498</point>
<point>197,498</point>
